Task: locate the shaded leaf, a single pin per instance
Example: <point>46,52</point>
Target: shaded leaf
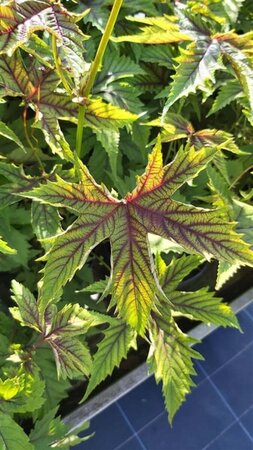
<point>16,182</point>
<point>45,222</point>
<point>54,391</point>
<point>12,436</point>
<point>9,134</point>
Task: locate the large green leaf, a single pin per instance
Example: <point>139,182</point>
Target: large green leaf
<point>40,90</point>
<point>148,209</point>
<point>12,436</point>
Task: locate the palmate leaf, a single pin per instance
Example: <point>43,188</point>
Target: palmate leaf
<point>209,53</point>
<point>39,89</point>
<point>12,436</point>
<point>20,19</point>
<point>59,329</point>
<point>63,327</point>
<point>148,209</point>
<point>118,339</point>
<point>174,127</point>
<point>170,359</point>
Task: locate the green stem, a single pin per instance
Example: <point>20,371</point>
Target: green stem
<point>58,66</point>
<point>94,68</point>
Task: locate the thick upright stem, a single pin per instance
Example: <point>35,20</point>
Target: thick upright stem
<point>94,68</point>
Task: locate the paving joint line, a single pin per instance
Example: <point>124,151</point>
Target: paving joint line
<point>226,403</point>
<point>226,428</point>
<point>135,433</point>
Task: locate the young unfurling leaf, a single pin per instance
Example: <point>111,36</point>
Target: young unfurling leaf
<point>148,209</point>
<point>59,329</point>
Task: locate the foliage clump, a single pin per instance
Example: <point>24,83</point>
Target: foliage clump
<point>125,129</point>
